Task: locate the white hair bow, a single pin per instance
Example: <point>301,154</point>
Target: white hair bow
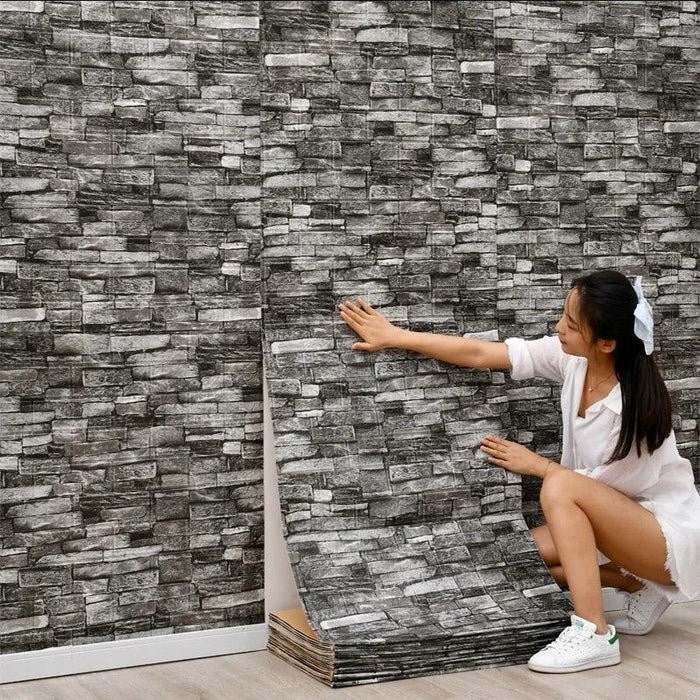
<point>643,319</point>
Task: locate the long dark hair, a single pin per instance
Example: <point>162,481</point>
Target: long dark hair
<point>607,301</point>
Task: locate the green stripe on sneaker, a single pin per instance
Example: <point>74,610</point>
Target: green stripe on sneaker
<point>613,639</point>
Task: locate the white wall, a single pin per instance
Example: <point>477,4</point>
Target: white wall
<point>280,588</point>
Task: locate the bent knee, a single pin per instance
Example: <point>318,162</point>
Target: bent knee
<point>545,545</point>
<point>556,486</point>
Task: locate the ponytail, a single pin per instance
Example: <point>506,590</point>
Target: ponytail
<point>607,303</point>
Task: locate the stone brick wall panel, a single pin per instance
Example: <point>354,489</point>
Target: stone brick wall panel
<point>456,163</point>
<point>131,424</point>
<point>385,496</point>
<point>596,105</point>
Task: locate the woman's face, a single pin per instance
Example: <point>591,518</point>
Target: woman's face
<point>570,330</point>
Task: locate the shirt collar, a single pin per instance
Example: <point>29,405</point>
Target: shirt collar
<point>614,398</point>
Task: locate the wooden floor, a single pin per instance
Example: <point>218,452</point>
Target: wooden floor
<point>662,664</point>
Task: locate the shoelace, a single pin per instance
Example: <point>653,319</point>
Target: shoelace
<point>640,602</point>
<point>569,638</point>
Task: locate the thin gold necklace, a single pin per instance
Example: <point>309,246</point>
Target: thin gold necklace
<point>590,388</point>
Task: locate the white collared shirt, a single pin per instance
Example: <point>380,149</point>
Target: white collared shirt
<point>662,482</point>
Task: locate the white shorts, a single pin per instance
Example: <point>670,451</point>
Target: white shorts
<point>671,592</point>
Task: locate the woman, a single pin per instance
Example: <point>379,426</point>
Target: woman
<point>621,508</point>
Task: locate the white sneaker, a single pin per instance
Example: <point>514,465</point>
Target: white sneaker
<point>642,610</point>
<point>577,648</point>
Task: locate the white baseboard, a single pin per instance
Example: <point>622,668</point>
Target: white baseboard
<point>156,649</point>
<point>135,651</point>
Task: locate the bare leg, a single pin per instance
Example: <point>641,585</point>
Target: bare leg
<point>582,512</point>
<point>610,572</point>
<point>610,576</point>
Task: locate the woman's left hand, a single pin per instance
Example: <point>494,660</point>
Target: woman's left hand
<point>513,456</point>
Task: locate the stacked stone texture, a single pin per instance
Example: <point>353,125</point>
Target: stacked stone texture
<point>379,179</point>
<point>130,361</point>
<point>456,163</point>
<point>598,147</point>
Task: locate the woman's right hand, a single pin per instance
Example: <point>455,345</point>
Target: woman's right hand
<point>374,328</point>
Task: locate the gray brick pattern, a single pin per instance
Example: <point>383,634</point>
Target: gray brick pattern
<point>457,164</point>
<point>379,178</point>
<point>130,361</point>
<point>598,150</point>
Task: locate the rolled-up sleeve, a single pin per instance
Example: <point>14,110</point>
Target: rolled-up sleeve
<point>542,357</point>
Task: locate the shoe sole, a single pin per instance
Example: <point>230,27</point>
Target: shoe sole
<point>613,661</point>
<point>635,632</point>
